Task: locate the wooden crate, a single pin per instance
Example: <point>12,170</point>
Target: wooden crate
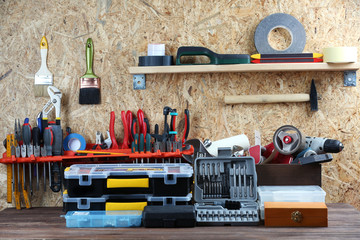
<point>296,214</point>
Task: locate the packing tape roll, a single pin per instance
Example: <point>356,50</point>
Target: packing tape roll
<point>74,142</point>
<point>280,20</point>
<point>340,54</point>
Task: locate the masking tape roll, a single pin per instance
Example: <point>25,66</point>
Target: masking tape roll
<point>280,20</point>
<point>340,54</point>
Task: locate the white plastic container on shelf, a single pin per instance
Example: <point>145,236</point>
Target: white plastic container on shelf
<point>289,194</point>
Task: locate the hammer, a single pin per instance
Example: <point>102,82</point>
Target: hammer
<point>312,97</point>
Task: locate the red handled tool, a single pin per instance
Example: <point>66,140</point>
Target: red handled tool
<point>142,124</point>
<point>129,120</point>
<point>187,125</point>
<point>125,144</point>
<point>114,144</point>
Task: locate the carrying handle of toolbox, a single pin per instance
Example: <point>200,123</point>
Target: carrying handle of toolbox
<point>121,206</point>
<point>128,183</point>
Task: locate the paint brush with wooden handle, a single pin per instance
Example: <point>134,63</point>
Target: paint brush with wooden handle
<point>43,78</point>
<point>89,83</point>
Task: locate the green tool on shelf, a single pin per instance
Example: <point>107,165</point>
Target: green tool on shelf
<point>215,58</point>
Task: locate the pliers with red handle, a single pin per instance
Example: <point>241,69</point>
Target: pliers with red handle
<point>187,125</point>
<point>142,123</point>
<point>114,144</point>
<point>125,143</point>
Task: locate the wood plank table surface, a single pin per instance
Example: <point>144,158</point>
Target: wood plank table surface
<point>344,223</point>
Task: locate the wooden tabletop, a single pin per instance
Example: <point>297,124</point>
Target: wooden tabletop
<point>344,223</point>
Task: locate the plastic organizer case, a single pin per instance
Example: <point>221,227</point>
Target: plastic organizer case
<point>92,219</point>
<point>121,202</point>
<point>169,216</point>
<point>96,180</point>
<point>289,194</point>
<point>225,190</point>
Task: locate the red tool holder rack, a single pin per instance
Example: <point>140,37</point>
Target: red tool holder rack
<point>70,158</point>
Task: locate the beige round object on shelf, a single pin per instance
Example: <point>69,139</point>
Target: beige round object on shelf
<point>340,54</point>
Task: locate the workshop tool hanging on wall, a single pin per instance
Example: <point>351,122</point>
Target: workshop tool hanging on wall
<point>214,58</point>
<point>114,144</point>
<point>27,142</point>
<point>43,78</point>
<point>280,98</point>
<point>89,83</point>
<point>53,137</point>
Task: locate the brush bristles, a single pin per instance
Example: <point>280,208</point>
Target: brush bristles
<point>41,90</point>
<point>89,96</point>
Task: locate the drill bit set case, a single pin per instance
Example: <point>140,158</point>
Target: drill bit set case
<point>225,190</point>
<point>96,180</point>
<point>122,202</point>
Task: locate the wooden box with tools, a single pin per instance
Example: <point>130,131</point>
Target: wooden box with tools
<point>296,214</point>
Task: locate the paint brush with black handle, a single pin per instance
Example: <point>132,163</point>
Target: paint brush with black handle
<point>89,83</point>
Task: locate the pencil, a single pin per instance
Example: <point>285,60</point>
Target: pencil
<point>299,60</point>
<point>286,55</point>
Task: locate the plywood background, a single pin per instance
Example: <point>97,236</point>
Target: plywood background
<point>121,31</point>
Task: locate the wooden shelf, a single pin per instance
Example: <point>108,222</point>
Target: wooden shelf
<point>278,67</point>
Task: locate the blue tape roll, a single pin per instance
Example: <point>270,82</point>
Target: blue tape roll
<point>74,142</point>
<point>280,20</point>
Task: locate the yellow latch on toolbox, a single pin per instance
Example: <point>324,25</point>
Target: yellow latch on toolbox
<point>128,183</point>
<point>113,206</point>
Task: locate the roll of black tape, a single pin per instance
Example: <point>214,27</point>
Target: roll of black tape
<point>155,60</point>
<point>280,20</point>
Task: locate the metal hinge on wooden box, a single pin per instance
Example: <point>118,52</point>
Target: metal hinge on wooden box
<point>296,214</point>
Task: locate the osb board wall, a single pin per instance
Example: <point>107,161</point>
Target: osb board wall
<point>121,31</point>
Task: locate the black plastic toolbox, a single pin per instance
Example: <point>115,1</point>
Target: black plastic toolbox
<point>169,216</point>
<point>96,180</point>
<point>121,202</point>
